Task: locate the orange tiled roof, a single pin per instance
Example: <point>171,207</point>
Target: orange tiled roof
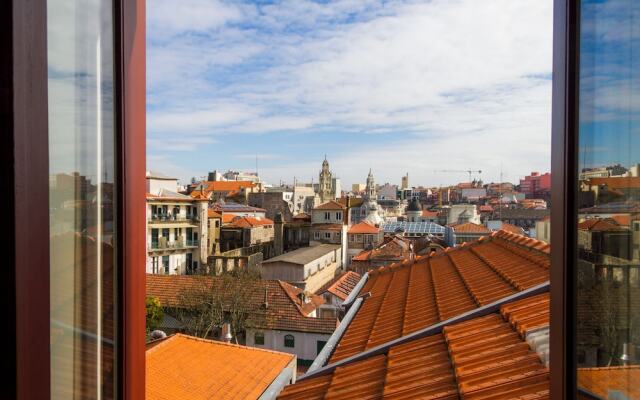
<point>483,358</point>
<point>616,182</point>
<point>407,296</point>
<point>364,255</point>
<point>228,218</point>
<point>600,380</point>
<point>341,285</point>
<point>212,214</point>
<point>186,367</point>
<point>429,214</point>
<point>250,222</point>
<point>470,227</point>
<point>622,219</point>
<point>597,224</point>
<point>283,312</point>
<point>512,228</point>
<point>330,205</point>
<point>363,227</point>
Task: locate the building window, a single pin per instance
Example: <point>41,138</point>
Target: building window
<point>338,216</point>
<point>258,338</point>
<point>327,216</point>
<point>316,235</point>
<point>289,341</point>
<point>327,235</point>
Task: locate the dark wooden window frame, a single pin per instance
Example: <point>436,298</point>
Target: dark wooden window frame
<point>564,198</point>
<point>24,165</point>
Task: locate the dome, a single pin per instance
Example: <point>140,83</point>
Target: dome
<point>414,205</point>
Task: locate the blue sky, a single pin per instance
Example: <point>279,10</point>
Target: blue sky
<point>610,78</point>
<point>396,86</point>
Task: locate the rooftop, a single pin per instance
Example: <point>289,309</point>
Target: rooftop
<point>249,222</point>
<point>330,205</point>
<point>342,285</point>
<point>284,309</point>
<point>406,297</point>
<point>604,380</point>
<point>470,227</point>
<point>486,357</point>
<point>236,208</point>
<point>363,227</point>
<point>413,227</point>
<point>304,255</point>
<point>186,367</point>
<point>597,224</point>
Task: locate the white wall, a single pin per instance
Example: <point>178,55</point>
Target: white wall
<point>305,343</point>
<point>154,185</point>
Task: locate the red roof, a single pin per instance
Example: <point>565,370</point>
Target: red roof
<point>470,227</point>
<point>410,296</point>
<point>512,228</point>
<point>342,285</point>
<point>600,381</point>
<point>249,222</point>
<point>622,220</point>
<point>597,224</point>
<point>483,358</point>
<point>485,208</point>
<point>282,313</point>
<point>429,214</point>
<point>364,227</point>
<point>330,205</point>
<point>213,214</point>
<point>186,367</point>
<point>616,182</point>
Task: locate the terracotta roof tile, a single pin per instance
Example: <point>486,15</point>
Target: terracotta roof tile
<point>364,227</point>
<point>284,312</point>
<point>597,224</point>
<point>600,380</point>
<point>429,214</point>
<point>342,285</point>
<point>411,296</point>
<point>470,227</point>
<point>483,358</point>
<point>330,205</point>
<point>212,214</point>
<point>185,367</point>
<point>249,222</point>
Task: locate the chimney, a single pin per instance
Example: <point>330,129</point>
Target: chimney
<point>626,356</point>
<point>226,332</point>
<point>278,234</point>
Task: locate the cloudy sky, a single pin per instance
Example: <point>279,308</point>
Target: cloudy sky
<point>396,86</point>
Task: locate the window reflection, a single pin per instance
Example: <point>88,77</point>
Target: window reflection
<point>608,277</point>
<point>81,206</point>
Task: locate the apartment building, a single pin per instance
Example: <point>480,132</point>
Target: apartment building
<point>177,229</point>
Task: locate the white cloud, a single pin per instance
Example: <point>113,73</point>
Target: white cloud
<point>450,73</point>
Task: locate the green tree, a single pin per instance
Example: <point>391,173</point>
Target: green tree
<point>154,312</point>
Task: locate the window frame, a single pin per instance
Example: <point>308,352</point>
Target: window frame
<point>289,338</point>
<point>564,129</point>
<point>25,158</point>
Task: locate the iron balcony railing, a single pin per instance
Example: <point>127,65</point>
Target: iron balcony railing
<point>173,218</point>
<point>175,245</point>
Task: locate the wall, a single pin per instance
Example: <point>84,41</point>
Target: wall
<point>154,185</point>
<point>335,216</point>
<point>305,343</point>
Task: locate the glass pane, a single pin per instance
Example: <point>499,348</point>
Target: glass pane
<point>82,199</point>
<point>608,297</point>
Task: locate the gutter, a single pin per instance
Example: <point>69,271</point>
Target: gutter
<point>333,341</point>
<point>285,377</point>
<point>356,290</point>
<point>430,330</point>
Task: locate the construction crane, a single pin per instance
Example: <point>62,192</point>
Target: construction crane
<point>468,171</point>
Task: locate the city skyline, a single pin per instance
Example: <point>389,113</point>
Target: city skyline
<point>370,84</point>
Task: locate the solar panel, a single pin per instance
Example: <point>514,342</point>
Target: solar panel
<point>413,227</point>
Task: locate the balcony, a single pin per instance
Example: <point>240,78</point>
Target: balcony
<point>164,245</point>
<point>168,218</point>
